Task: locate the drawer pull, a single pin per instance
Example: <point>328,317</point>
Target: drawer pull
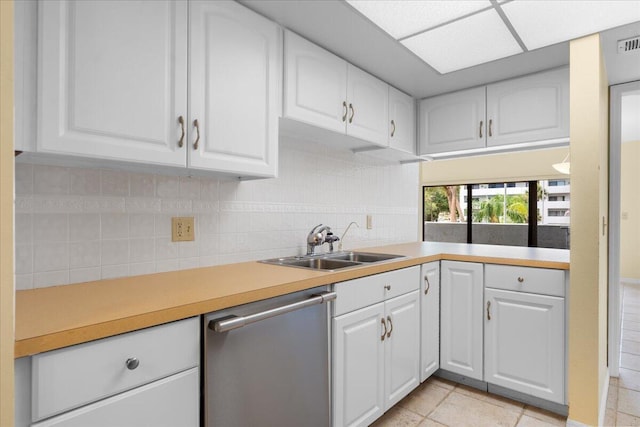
<point>132,363</point>
<point>488,310</point>
<point>384,324</point>
<point>344,116</point>
<point>387,287</point>
<point>426,279</point>
<point>520,279</point>
<point>181,141</point>
<point>481,128</point>
<point>197,126</point>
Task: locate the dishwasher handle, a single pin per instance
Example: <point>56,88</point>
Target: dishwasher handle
<point>229,323</point>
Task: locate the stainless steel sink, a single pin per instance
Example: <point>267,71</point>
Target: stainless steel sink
<point>332,261</point>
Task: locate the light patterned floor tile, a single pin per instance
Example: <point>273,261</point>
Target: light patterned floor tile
<point>629,379</point>
<point>441,382</point>
<point>612,397</point>
<point>546,416</point>
<point>623,419</point>
<point>425,398</point>
<point>527,421</point>
<point>630,361</point>
<point>398,417</point>
<point>629,402</point>
<point>609,417</point>
<point>460,411</point>
<point>503,402</point>
<point>427,422</point>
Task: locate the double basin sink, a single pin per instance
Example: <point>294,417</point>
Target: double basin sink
<point>332,261</point>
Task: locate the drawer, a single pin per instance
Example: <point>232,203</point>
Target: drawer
<point>358,293</point>
<point>74,376</point>
<point>525,279</point>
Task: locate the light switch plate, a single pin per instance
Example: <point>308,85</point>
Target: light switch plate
<point>182,229</point>
<point>369,222</point>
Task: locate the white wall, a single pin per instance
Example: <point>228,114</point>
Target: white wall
<point>75,224</point>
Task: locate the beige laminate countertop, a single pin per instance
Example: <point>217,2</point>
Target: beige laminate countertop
<point>56,317</point>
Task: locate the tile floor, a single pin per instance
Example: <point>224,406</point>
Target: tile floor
<point>438,402</point>
<point>623,402</point>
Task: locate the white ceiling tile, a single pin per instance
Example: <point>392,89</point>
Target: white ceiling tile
<point>545,22</point>
<point>407,17</point>
<point>470,41</point>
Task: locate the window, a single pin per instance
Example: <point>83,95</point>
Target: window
<point>499,214</point>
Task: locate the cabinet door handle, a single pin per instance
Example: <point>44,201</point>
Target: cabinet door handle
<point>393,124</point>
<point>488,310</point>
<point>181,140</point>
<point>481,123</point>
<point>132,363</point>
<point>426,279</point>
<point>384,324</point>
<point>490,127</point>
<point>353,113</point>
<point>344,116</point>
<point>197,126</point>
<point>390,326</point>
<point>520,279</point>
<point>387,287</point>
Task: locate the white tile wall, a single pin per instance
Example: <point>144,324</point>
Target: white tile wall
<point>75,224</point>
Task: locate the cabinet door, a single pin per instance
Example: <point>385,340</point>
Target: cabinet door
<point>524,343</point>
<point>315,85</point>
<point>453,122</point>
<point>113,79</point>
<point>234,93</point>
<point>170,402</point>
<point>430,320</point>
<point>402,121</point>
<point>532,108</point>
<point>402,348</point>
<point>461,318</point>
<point>368,113</point>
<point>358,367</point>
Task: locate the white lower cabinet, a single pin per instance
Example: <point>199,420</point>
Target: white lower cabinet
<point>169,402</point>
<point>430,320</point>
<point>376,348</point>
<point>524,342</point>
<point>461,289</point>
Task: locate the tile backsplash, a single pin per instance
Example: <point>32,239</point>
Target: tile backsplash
<point>82,224</point>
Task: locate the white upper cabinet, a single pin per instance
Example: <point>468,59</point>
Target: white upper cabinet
<point>113,79</point>
<point>368,100</point>
<point>402,121</point>
<point>173,82</point>
<point>532,108</point>
<point>452,122</point>
<point>234,90</point>
<point>315,85</point>
<point>323,90</point>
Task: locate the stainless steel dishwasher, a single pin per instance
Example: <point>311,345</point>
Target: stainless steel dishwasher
<point>267,363</point>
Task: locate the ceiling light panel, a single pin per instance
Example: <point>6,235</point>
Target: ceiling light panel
<point>545,22</point>
<point>404,18</point>
<point>474,40</point>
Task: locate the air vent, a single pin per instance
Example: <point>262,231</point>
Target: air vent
<point>629,45</point>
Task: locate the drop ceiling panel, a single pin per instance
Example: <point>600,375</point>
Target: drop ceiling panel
<point>474,40</point>
<point>404,18</point>
<point>546,22</point>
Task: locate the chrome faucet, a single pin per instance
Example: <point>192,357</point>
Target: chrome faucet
<point>317,236</point>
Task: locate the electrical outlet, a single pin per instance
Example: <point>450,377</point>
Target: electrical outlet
<point>369,222</point>
<point>182,229</point>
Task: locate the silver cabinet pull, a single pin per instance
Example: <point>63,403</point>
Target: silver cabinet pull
<point>181,140</point>
<point>132,363</point>
<point>384,324</point>
<point>520,279</point>
<point>488,310</point>
<point>233,322</point>
<point>393,132</point>
<point>390,326</point>
<point>197,126</point>
<point>344,116</point>
<point>490,127</point>
<point>426,279</point>
<point>481,123</point>
<point>353,113</point>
